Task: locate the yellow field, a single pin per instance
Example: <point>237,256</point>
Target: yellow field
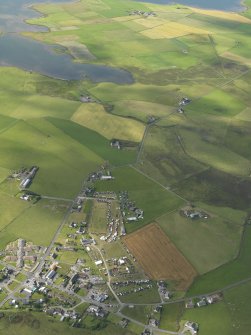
<point>223,15</point>
<point>244,115</point>
<point>151,22</point>
<point>172,30</point>
<point>93,116</point>
<point>237,58</point>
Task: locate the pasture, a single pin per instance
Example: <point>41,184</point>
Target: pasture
<point>212,319</point>
<point>39,324</point>
<point>36,223</point>
<point>59,157</point>
<point>230,273</point>
<point>159,257</point>
<point>93,116</point>
<point>98,222</point>
<point>219,236</point>
<point>238,302</point>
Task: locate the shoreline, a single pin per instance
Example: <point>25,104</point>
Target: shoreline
<point>243,7</point>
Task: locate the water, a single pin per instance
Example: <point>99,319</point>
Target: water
<point>226,5</point>
<point>31,55</point>
<point>14,12</point>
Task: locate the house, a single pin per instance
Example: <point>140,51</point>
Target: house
<point>153,323</point>
<point>99,262</point>
<point>190,304</point>
<point>132,218</point>
<point>124,323</point>
<point>193,327</point>
<point>158,308</point>
<point>167,295</point>
<point>106,178</point>
<point>212,299</point>
<point>202,303</point>
<point>115,144</point>
<point>25,183</point>
<point>51,274</point>
<point>121,261</point>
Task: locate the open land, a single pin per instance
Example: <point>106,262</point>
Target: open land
<point>169,154</point>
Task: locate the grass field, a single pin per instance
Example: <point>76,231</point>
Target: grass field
<point>159,258</point>
<point>170,316</point>
<point>227,274</point>
<point>218,236</point>
<point>164,159</point>
<point>213,319</point>
<point>98,219</point>
<point>237,301</point>
<point>93,116</point>
<point>38,324</point>
<point>148,296</point>
<point>38,223</point>
<point>59,157</point>
<point>95,142</point>
<point>141,110</point>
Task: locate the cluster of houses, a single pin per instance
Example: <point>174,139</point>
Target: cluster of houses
<point>112,223</point>
<point>103,174</point>
<point>64,315</point>
<point>97,311</point>
<point>183,102</point>
<point>163,292</point>
<point>130,212</point>
<point>80,228</point>
<point>26,176</point>
<point>142,13</point>
<point>193,213</point>
<point>204,301</point>
<point>136,285</point>
<point>135,290</point>
<point>6,274</point>
<point>120,267</point>
<point>98,295</point>
<point>77,205</point>
<point>24,254</point>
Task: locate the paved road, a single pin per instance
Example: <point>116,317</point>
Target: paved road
<point>108,275</point>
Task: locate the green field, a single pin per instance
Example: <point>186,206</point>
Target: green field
<point>38,324</point>
<point>170,316</point>
<point>237,301</point>
<point>93,116</point>
<point>228,274</point>
<point>37,223</point>
<point>214,319</point>
<point>207,243</point>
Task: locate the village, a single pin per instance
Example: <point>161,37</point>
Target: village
<point>78,268</point>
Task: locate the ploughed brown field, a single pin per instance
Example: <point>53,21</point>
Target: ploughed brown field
<point>159,257</point>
